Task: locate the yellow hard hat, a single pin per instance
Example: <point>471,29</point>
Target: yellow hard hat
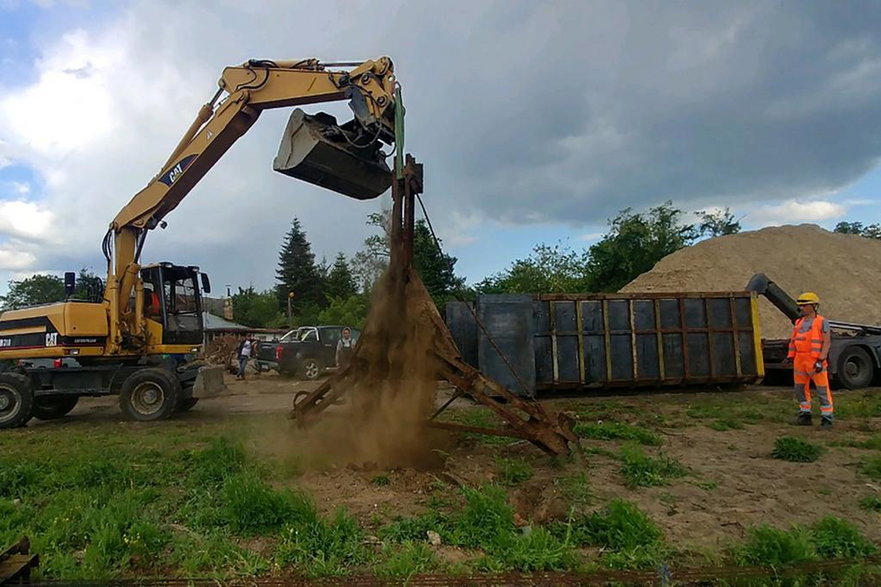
<point>808,297</point>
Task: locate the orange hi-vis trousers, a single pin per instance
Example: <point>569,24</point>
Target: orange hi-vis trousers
<point>803,373</point>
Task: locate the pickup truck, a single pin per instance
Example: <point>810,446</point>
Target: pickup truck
<point>306,352</point>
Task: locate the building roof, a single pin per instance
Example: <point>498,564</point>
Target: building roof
<point>212,322</point>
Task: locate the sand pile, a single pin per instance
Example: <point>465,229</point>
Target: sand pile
<point>844,270</point>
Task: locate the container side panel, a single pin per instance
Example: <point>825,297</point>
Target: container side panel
<point>674,359</point>
<point>743,313</point>
<point>720,312</point>
<point>509,320</point>
<point>698,354</point>
<point>695,313</point>
<point>622,357</point>
<point>566,323</point>
<point>670,314</point>
<point>747,353</point>
<point>463,327</point>
<point>595,358</point>
<point>647,365</point>
<point>724,364</point>
<point>644,315</point>
<point>619,315</point>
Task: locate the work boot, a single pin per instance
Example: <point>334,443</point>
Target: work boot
<point>804,419</point>
<point>826,423</point>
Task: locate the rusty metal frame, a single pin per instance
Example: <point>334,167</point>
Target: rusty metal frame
<point>523,418</point>
<point>16,563</point>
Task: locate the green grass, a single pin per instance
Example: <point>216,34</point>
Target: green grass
<point>641,470</point>
<point>796,450</point>
<point>731,414</point>
<point>406,560</point>
<point>381,480</point>
<point>871,467</point>
<point>513,471</point>
<point>617,431</point>
<point>871,503</point>
<point>829,538</point>
<point>575,489</point>
<point>630,539</point>
<point>723,424</point>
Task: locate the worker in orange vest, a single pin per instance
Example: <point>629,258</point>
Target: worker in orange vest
<point>809,351</point>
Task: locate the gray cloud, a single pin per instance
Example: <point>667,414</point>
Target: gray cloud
<point>522,112</point>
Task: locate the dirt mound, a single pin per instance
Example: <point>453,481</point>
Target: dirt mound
<point>843,269</point>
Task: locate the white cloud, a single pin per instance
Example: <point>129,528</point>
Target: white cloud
<point>591,236</point>
<point>794,211</point>
<point>26,220</point>
<point>13,257</point>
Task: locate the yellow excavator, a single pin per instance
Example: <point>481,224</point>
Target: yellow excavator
<point>140,332</point>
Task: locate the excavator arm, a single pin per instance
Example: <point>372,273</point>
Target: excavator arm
<point>244,92</point>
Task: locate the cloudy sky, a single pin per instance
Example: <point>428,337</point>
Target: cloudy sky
<point>536,121</point>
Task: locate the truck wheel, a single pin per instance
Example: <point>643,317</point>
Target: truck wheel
<point>52,407</point>
<point>311,369</point>
<point>186,403</point>
<point>16,400</point>
<point>855,368</point>
<point>149,394</point>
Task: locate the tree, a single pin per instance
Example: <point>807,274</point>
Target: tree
<point>870,231</point>
<point>297,271</point>
<point>556,269</point>
<point>371,261</point>
<point>256,309</point>
<point>717,223</point>
<point>339,281</point>
<point>435,267</point>
<point>37,289</point>
<point>348,311</point>
<point>634,244</point>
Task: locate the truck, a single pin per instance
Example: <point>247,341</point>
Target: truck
<point>307,351</point>
<point>855,354</point>
<point>138,334</point>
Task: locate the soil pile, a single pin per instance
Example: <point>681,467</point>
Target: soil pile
<point>843,269</point>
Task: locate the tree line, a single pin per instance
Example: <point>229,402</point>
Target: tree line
<point>338,292</point>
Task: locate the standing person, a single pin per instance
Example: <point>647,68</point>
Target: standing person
<point>809,350</point>
<point>345,348</point>
<point>244,355</point>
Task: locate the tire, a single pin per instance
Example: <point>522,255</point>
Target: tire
<point>52,407</point>
<point>149,395</point>
<point>185,404</point>
<point>855,368</point>
<point>16,400</point>
<point>311,369</point>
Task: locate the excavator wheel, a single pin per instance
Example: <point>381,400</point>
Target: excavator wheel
<point>150,394</point>
<point>52,407</point>
<point>16,400</point>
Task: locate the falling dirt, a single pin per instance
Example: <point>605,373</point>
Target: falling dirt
<point>798,258</point>
<point>389,390</point>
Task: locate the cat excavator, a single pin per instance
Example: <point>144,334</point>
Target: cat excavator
<point>137,335</point>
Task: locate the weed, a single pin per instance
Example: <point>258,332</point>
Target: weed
<point>321,548</point>
<point>411,558</point>
<point>865,406</point>
<point>215,464</point>
<point>871,467</point>
<point>513,471</point>
<point>723,424</point>
<point>631,538</point>
<point>837,538</point>
<point>617,431</point>
<point>576,489</point>
<point>796,450</point>
<point>769,546</point>
<point>871,503</point>
<point>381,480</point>
<point>707,485</point>
<point>486,517</point>
<point>641,470</point>
<point>535,550</point>
<point>249,506</point>
<point>414,529</point>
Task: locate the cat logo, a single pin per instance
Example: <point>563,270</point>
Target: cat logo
<point>177,170</point>
<point>5,342</point>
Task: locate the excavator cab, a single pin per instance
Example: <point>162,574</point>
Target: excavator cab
<point>173,298</point>
<point>346,159</point>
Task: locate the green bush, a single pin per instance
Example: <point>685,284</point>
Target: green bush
<point>769,546</point>
<point>871,503</point>
<point>837,538</point>
<point>796,450</point>
<point>871,467</point>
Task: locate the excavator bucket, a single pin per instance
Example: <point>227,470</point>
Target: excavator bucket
<point>340,158</point>
<point>209,382</point>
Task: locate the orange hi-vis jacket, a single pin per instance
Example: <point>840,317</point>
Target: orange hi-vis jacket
<point>807,344</point>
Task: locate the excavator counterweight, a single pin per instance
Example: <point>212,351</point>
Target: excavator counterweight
<point>339,158</point>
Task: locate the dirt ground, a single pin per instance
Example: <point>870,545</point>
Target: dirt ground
<point>732,484</point>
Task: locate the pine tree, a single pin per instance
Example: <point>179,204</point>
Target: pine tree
<point>339,283</point>
<point>297,271</point>
<point>434,266</point>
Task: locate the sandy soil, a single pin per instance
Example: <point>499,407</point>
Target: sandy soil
<point>733,482</point>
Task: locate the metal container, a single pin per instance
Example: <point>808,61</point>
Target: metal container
<point>598,341</point>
